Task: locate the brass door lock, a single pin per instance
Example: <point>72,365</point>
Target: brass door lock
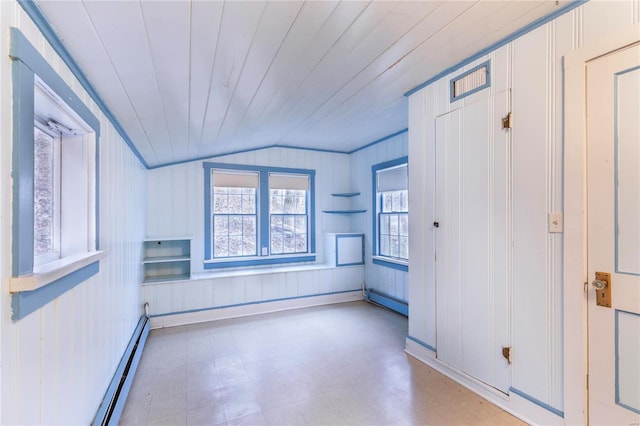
<point>602,285</point>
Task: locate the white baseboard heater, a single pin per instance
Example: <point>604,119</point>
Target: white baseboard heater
<point>387,301</point>
<point>114,399</point>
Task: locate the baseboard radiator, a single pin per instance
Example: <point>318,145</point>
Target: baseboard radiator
<point>113,402</point>
<point>387,301</point>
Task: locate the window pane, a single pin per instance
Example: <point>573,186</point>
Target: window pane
<point>404,201</point>
<point>221,246</point>
<point>220,225</point>
<point>43,185</point>
<point>384,224</point>
<point>235,225</point>
<point>235,246</point>
<point>276,243</point>
<point>397,206</point>
<point>301,243</point>
<point>235,201</point>
<point>387,202</point>
<point>384,245</point>
<point>404,225</point>
<point>249,203</point>
<point>249,247</point>
<point>220,201</point>
<point>249,227</point>
<point>289,243</point>
<point>404,247</point>
<point>301,225</point>
<point>276,205</point>
<point>288,224</point>
<point>393,224</point>
<point>394,250</point>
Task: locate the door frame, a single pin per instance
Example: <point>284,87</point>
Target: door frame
<point>575,220</point>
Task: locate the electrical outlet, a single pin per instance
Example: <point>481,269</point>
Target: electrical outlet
<point>265,251</point>
<point>555,222</point>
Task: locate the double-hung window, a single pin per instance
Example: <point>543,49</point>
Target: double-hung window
<point>258,215</point>
<point>391,224</point>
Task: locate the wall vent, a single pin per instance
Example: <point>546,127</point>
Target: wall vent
<point>470,82</point>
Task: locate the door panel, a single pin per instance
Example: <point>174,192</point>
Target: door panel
<point>613,225</point>
<point>472,207</point>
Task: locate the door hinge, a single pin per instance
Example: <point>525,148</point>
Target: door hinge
<point>506,121</point>
<point>506,353</point>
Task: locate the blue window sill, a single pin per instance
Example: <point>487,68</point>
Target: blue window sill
<point>257,261</point>
<point>391,263</point>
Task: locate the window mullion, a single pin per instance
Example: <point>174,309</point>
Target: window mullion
<point>263,215</point>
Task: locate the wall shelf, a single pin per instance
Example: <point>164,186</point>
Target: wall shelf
<point>346,194</point>
<point>343,211</point>
<point>167,259</point>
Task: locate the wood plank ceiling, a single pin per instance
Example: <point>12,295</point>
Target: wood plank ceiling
<point>192,79</point>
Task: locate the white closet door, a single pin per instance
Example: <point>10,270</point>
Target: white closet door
<point>472,239</point>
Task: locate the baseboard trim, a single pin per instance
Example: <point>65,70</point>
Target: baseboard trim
<point>247,309</point>
<point>512,403</point>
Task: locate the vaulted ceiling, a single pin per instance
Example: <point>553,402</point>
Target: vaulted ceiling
<point>193,79</point>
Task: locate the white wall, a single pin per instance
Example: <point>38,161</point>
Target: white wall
<point>57,362</point>
<point>387,280</point>
<point>531,67</point>
<point>175,200</point>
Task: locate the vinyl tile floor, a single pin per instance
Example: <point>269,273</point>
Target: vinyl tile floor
<point>341,364</point>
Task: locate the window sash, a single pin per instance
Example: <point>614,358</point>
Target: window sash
<point>298,233</point>
<point>393,235</point>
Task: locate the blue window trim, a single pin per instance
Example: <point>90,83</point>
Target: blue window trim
<point>466,73</point>
<point>263,217</point>
<point>374,220</point>
<point>26,64</point>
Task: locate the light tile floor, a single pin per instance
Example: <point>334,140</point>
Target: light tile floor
<point>340,364</point>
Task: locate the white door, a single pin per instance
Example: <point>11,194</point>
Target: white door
<point>472,240</point>
<point>613,235</point>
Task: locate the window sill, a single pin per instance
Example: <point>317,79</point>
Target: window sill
<point>258,261</point>
<point>391,263</point>
<point>53,271</point>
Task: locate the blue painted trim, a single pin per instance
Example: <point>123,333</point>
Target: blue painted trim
<point>617,360</point>
<point>263,213</point>
<point>387,301</point>
<point>108,413</point>
<point>340,236</point>
<point>26,63</point>
<point>376,201</point>
<point>392,265</point>
<point>393,135</point>
<point>243,151</point>
<point>466,73</point>
<point>421,343</point>
<point>537,402</point>
<point>25,302</point>
<point>528,28</point>
<point>23,168</point>
<point>616,158</point>
<point>267,260</point>
<point>263,216</point>
<point>34,12</point>
<point>235,305</point>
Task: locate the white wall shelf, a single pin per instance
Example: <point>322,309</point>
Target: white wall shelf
<point>167,259</point>
<point>345,194</point>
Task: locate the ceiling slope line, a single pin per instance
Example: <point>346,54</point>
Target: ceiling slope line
<point>36,15</point>
<point>284,146</point>
<point>517,34</point>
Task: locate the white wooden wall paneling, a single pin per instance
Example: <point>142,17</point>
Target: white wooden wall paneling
<point>58,361</point>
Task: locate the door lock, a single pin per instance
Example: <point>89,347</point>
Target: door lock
<point>602,285</point>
